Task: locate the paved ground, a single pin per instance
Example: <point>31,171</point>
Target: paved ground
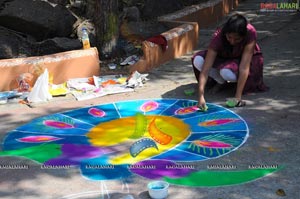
<point>272,118</point>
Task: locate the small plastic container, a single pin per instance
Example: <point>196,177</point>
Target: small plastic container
<point>231,102</point>
<point>112,66</point>
<point>189,92</point>
<point>158,189</point>
<point>3,100</point>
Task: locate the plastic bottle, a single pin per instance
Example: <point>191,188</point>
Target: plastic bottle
<point>85,39</point>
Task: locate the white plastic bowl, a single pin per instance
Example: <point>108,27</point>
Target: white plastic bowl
<point>158,189</point>
<point>112,66</point>
<point>3,100</point>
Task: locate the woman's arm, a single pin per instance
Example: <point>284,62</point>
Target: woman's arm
<point>208,62</point>
<point>244,69</point>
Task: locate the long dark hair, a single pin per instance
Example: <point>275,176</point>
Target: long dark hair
<point>235,24</point>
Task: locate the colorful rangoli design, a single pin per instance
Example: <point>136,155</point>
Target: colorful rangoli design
<point>144,137</point>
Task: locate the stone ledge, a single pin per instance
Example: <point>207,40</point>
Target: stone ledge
<point>181,39</point>
<point>184,37</point>
<point>205,13</point>
<point>62,66</point>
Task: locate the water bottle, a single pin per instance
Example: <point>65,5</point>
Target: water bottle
<point>85,39</point>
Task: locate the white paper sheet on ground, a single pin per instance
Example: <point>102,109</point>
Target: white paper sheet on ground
<point>80,84</point>
<point>111,89</point>
<point>80,96</point>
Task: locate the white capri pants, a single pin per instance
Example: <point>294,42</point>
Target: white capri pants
<point>219,75</point>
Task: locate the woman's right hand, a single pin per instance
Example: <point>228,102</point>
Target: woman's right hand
<point>208,62</point>
<point>201,102</point>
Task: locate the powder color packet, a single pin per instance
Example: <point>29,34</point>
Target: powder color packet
<point>231,103</point>
<point>203,108</point>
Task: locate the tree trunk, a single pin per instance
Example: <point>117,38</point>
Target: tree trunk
<point>106,20</point>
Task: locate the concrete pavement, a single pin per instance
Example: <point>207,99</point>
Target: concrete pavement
<point>272,118</point>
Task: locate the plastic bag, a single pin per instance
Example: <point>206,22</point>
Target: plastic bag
<point>25,82</point>
<point>40,91</point>
<point>136,79</point>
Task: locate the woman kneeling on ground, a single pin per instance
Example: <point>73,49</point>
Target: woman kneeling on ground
<point>232,56</point>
